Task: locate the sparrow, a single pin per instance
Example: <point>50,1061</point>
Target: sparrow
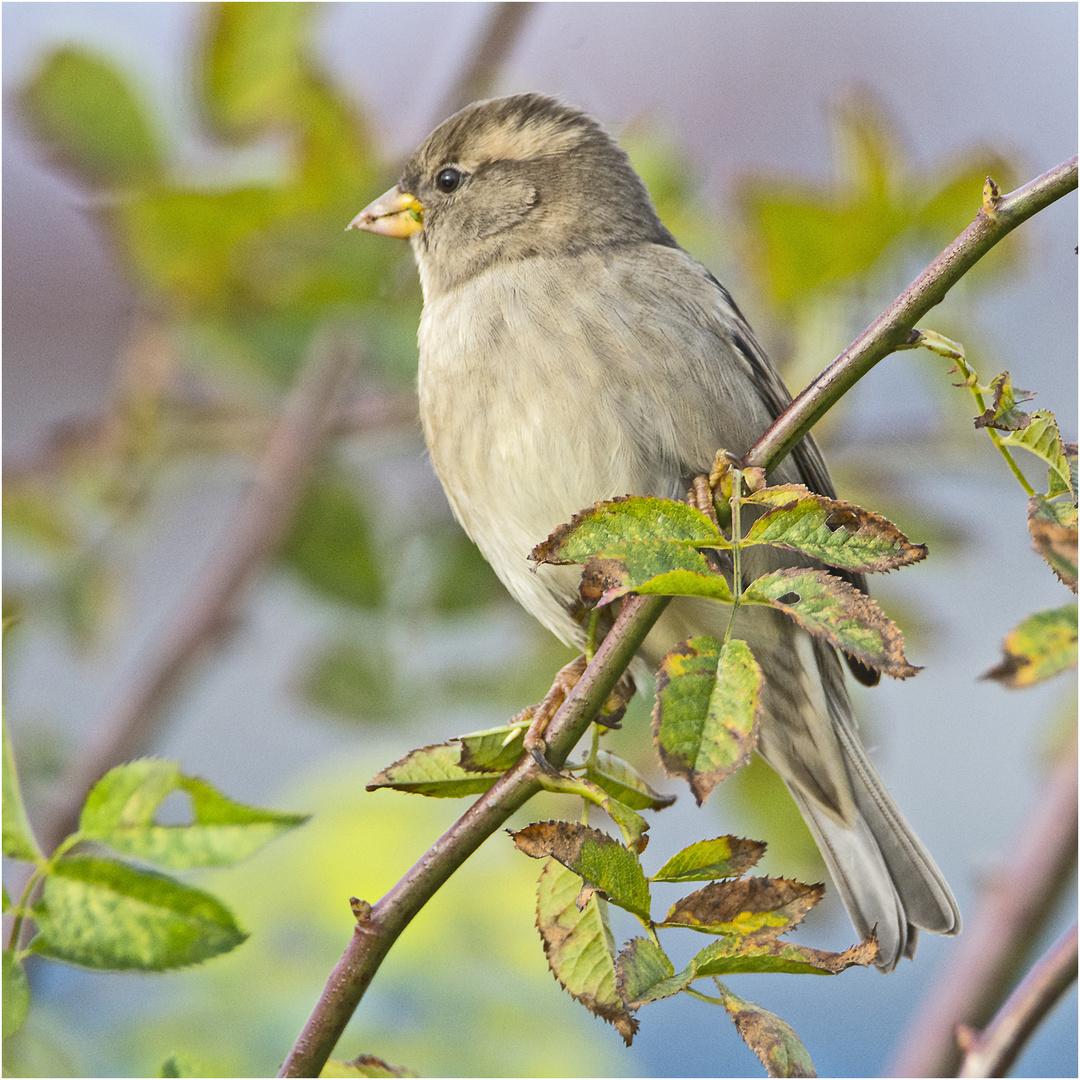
<point>571,352</point>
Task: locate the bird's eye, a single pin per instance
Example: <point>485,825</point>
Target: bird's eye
<point>449,179</point>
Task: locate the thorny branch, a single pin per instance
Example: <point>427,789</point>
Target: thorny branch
<point>376,931</point>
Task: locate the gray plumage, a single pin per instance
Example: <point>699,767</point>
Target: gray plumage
<point>571,351</point>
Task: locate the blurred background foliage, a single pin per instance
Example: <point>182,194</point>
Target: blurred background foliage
<point>244,275</point>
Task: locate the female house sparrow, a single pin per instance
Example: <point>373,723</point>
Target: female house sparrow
<point>571,351</point>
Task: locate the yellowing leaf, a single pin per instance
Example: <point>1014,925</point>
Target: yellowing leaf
<point>708,860</point>
<point>1042,646</point>
<point>837,612</point>
<point>603,862</point>
<point>616,523</point>
<point>1054,535</point>
<point>708,702</point>
<point>763,907</point>
<point>830,530</point>
<point>435,771</point>
<point>579,947</point>
<point>774,1041</point>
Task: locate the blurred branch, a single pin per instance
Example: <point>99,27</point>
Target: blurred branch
<point>201,425</point>
<point>504,27</point>
<point>378,926</point>
<point>208,610</point>
<point>1015,906</point>
<point>993,1051</point>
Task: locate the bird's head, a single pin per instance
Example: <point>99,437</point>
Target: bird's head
<point>513,178</point>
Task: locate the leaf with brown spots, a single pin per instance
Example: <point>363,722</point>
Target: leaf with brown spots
<point>1054,535</point>
<point>602,861</point>
<point>762,907</point>
<point>1042,646</point>
<point>774,1041</point>
<point>708,704</point>
<point>573,925</point>
<point>837,612</point>
<point>838,533</point>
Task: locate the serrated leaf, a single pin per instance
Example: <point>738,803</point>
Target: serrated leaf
<point>623,782</point>
<point>773,1040</point>
<point>616,524</point>
<point>735,955</point>
<point>708,860</point>
<point>19,841</point>
<point>838,613</point>
<point>834,532</point>
<point>1054,536</point>
<point>101,914</point>
<point>1042,438</point>
<point>763,907</point>
<point>708,703</point>
<point>92,119</point>
<point>578,945</point>
<point>434,771</point>
<point>1042,646</point>
<point>16,994</point>
<point>644,973</point>
<point>600,860</point>
<point>658,568</point>
<point>120,810</point>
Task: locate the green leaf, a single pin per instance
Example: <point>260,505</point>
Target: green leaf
<point>256,72</point>
<point>835,532</point>
<point>101,914</point>
<point>602,861</point>
<point>619,523</point>
<point>93,120</point>
<point>349,679</point>
<point>434,771</point>
<point>573,925</point>
<point>838,613</point>
<point>735,955</point>
<point>623,782</point>
<point>644,973</point>
<point>708,702</point>
<point>120,808</point>
<point>16,994</point>
<point>1042,646</point>
<point>19,841</point>
<point>330,544</point>
<point>708,860</point>
<point>494,750</point>
<point>639,544</point>
<point>190,246</point>
<point>1042,438</point>
<point>181,1066</point>
<point>773,1040</point>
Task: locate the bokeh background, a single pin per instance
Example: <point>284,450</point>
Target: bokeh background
<point>176,181</point>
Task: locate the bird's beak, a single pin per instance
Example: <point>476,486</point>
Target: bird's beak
<point>397,214</point>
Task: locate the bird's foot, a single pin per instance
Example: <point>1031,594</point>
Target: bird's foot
<point>541,715</point>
